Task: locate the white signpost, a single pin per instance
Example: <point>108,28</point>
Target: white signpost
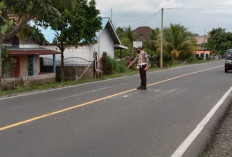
<point>137,44</point>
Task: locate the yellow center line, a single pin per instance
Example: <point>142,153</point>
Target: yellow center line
<point>94,101</point>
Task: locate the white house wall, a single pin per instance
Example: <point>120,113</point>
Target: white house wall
<point>31,46</point>
<point>106,43</point>
<point>72,56</point>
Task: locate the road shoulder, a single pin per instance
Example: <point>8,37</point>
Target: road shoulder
<point>221,143</point>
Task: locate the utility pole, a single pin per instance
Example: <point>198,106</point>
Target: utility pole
<point>111,15</point>
<point>161,49</point>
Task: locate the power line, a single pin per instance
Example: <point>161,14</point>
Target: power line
<point>137,19</point>
<point>201,8</point>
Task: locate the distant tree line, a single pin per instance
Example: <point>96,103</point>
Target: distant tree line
<point>219,41</point>
<point>179,43</point>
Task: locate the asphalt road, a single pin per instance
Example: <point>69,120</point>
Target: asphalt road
<point>111,118</point>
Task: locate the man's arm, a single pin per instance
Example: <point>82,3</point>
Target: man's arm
<point>133,61</point>
<point>147,61</point>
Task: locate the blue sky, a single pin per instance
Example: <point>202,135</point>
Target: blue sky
<point>198,16</point>
<point>49,34</point>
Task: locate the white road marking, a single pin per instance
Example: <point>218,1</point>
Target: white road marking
<point>188,141</point>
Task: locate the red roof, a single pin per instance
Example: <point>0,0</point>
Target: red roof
<point>144,32</point>
<point>15,52</point>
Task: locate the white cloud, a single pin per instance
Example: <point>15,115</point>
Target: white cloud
<point>169,4</point>
<point>137,13</point>
<point>126,6</point>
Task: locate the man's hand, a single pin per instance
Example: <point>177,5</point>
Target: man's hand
<point>148,66</point>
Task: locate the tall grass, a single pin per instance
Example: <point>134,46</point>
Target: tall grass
<point>114,66</point>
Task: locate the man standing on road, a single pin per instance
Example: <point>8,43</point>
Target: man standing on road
<point>143,62</point>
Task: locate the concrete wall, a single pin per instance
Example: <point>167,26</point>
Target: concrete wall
<point>23,65</point>
<point>72,72</point>
<point>11,83</point>
<point>37,65</point>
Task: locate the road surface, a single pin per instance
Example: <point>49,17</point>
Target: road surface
<point>112,119</point>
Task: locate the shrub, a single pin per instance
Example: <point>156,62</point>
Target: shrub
<point>114,66</point>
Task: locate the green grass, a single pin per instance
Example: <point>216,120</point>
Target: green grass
<point>127,72</point>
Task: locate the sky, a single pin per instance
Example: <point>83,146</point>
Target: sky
<point>198,16</point>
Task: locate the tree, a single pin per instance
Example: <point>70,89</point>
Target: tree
<point>129,33</point>
<point>129,52</point>
<point>7,63</point>
<point>120,32</point>
<point>219,41</point>
<point>176,37</point>
<point>5,26</point>
<point>76,25</point>
<point>31,33</point>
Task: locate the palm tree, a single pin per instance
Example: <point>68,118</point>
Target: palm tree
<point>179,39</point>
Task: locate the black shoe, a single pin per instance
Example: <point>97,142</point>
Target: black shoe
<point>143,88</point>
<point>139,87</point>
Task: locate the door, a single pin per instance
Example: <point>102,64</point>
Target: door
<point>31,65</point>
<point>16,70</point>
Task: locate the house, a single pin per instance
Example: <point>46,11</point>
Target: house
<point>79,60</point>
<point>202,51</point>
<point>142,33</point>
<point>204,54</point>
<point>27,69</point>
<point>202,41</point>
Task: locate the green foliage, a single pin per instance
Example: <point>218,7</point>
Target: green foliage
<point>120,32</point>
<point>126,32</point>
<point>219,41</point>
<point>31,33</point>
<point>31,8</point>
<point>5,23</point>
<point>7,63</point>
<point>113,66</point>
<point>126,36</point>
<point>77,24</point>
<point>176,37</point>
<point>129,52</point>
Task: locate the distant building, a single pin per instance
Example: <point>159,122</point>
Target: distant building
<point>202,51</point>
<point>202,41</point>
<point>143,32</point>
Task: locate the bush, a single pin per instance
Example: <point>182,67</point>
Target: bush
<point>114,66</point>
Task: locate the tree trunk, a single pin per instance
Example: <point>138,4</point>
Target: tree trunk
<point>0,65</point>
<point>22,22</point>
<point>62,62</point>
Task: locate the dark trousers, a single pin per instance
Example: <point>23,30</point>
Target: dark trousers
<point>143,76</point>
